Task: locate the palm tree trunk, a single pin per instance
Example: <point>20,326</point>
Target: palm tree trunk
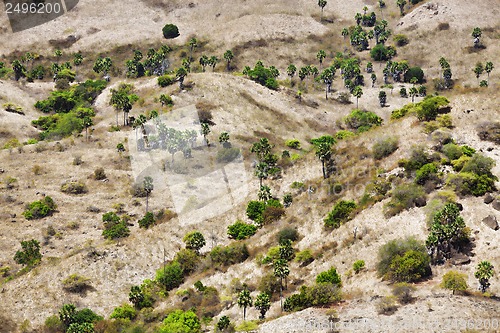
<point>244,313</point>
<point>323,166</point>
<point>147,201</point>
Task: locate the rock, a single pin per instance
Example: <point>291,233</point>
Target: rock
<point>496,204</point>
<point>491,221</point>
<point>460,206</point>
<point>460,259</point>
<point>420,202</point>
<point>488,198</point>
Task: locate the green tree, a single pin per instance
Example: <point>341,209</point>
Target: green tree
<point>165,100</point>
<point>454,281</point>
<point>447,231</point>
<point>322,4</point>
<point>67,314</point>
<point>340,213</point>
<point>194,241</point>
<point>345,33</point>
<point>263,304</point>
<point>228,56</point>
<point>264,193</point>
<point>30,253</point>
<point>476,34</point>
<point>291,70</point>
<point>478,70</point>
<point>223,323</point>
<point>413,92</point>
<point>170,276</point>
<point>224,139</point>
<point>244,301</point>
<point>484,272</point>
<point>148,188</point>
<point>488,68</point>
<point>329,276</point>
<point>213,62</point>
<point>327,77</point>
<point>19,69</point>
<point>204,61</point>
<point>170,31</point>
<point>320,56</point>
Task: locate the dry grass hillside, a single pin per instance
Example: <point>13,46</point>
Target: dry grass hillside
<point>278,34</point>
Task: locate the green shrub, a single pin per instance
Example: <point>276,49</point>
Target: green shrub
<point>170,31</point>
<point>181,322</point>
<point>247,326</point>
<point>429,108</point>
<point>255,210</point>
<point>403,197</point>
<point>403,260</point>
<point>414,72</point>
<point>76,283</point>
<point>403,292</point>
<point>240,230</point>
<point>329,276</point>
<point>304,257</point>
<point>165,80</point>
<point>459,163</point>
<point>479,164</point>
<point>171,276</point>
<point>380,52</point>
<point>468,151</point>
<point>272,213</point>
<point>147,221</point>
<point>30,253</point>
<point>188,259</point>
<point>466,183</point>
<point>287,233</point>
<point>74,187</point>
<point>293,143</point>
<point>454,281</point>
<point>425,173</point>
<point>418,158</point>
<point>452,151</point>
<point>362,121</point>
<point>297,185</point>
<point>114,227</point>
<point>385,147</point>
<point>264,76</point>
<point>340,213</point>
<point>99,174</point>
<point>232,254</point>
<point>401,40</point>
<point>269,284</point>
<point>358,265</point>
<point>319,294</point>
<point>40,209</point>
<point>125,311</point>
<point>344,134</point>
<point>226,155</point>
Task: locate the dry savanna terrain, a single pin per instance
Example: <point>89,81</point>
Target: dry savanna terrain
<point>207,193</point>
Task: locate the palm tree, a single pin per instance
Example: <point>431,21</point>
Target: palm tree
<point>322,4</point>
<point>374,78</point>
<point>476,33</point>
<point>488,68</point>
<point>401,4</point>
<point>261,171</point>
<point>413,92</point>
<point>357,92</point>
<point>382,97</point>
<point>228,56</point>
<point>19,69</point>
<point>345,33</point>
<point>291,70</point>
<point>358,17</point>
<point>327,76</point>
<point>264,193</point>
<point>204,61</point>
<point>224,139</point>
<point>320,56</point>
<point>193,43</point>
<point>180,74</point>
<point>148,188</point>
<point>263,304</point>
<point>244,301</point>
<point>205,130</point>
<point>87,122</point>
<point>323,151</point>
<point>281,271</point>
<point>213,62</point>
<point>478,70</point>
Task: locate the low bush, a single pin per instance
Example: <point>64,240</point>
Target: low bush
<point>362,121</point>
<point>269,284</point>
<point>226,155</point>
<point>76,283</point>
<point>170,31</point>
<point>40,209</point>
<point>319,294</point>
<point>293,143</point>
<point>125,311</point>
<point>287,233</point>
<point>403,260</point>
<point>165,80</point>
<point>428,172</point>
<point>452,151</point>
<point>414,72</point>
<point>489,131</point>
<point>99,174</point>
<point>232,254</point>
<point>403,197</point>
<point>467,183</point>
<point>401,40</point>
<point>171,276</point>
<point>304,257</point>
<point>385,147</point>
<point>403,292</point>
<point>272,214</point>
<point>329,276</point>
<point>114,227</point>
<point>180,321</point>
<point>358,266</point>
<point>188,259</point>
<point>255,210</point>
<point>387,305</point>
<point>380,52</point>
<point>240,230</point>
<point>147,221</point>
<point>74,187</point>
<point>340,213</point>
